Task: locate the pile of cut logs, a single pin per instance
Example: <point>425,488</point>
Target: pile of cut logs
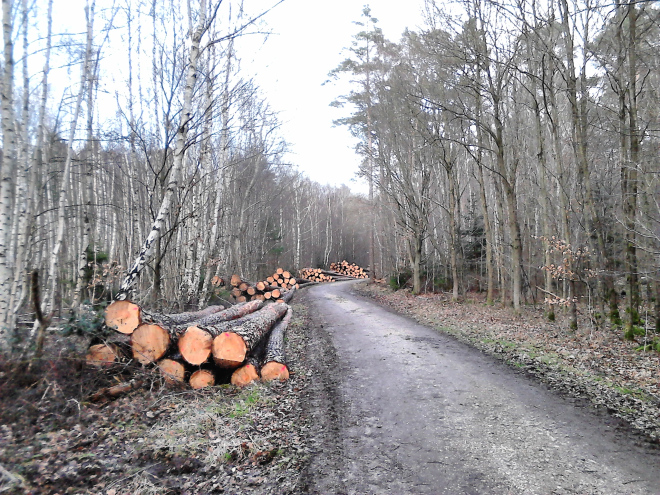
<point>315,275</point>
<point>273,288</point>
<point>349,269</point>
<point>246,340</point>
<point>338,272</point>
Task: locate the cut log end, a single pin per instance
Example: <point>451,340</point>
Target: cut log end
<point>229,350</point>
<point>172,371</point>
<point>149,343</point>
<point>195,345</point>
<point>202,378</point>
<point>244,375</point>
<point>101,355</point>
<point>274,371</point>
<point>123,316</point>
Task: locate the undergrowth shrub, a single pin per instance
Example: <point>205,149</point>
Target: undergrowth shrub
<point>400,279</point>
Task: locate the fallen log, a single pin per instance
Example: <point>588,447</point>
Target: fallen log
<point>236,338</point>
<point>172,371</point>
<point>125,316</point>
<point>195,345</point>
<point>201,378</point>
<point>274,367</point>
<point>306,284</point>
<point>149,343</point>
<point>287,296</point>
<point>115,390</point>
<point>172,320</point>
<point>233,313</point>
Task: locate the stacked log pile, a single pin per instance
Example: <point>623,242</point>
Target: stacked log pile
<point>315,275</point>
<point>202,346</point>
<point>348,269</point>
<point>273,288</point>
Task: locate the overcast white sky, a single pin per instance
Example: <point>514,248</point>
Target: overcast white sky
<point>308,42</point>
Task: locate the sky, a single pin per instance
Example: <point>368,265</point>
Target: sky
<point>308,41</point>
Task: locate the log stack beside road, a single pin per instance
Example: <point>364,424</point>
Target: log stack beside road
<point>348,269</point>
<point>246,339</point>
<point>200,345</point>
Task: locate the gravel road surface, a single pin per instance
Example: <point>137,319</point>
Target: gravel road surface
<point>402,409</point>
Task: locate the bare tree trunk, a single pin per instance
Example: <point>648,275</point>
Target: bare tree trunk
<point>23,189</point>
<point>453,232</point>
<point>579,137</point>
<point>87,190</point>
<point>631,174</point>
<point>415,256</point>
<point>7,174</point>
<point>66,174</point>
<point>542,170</point>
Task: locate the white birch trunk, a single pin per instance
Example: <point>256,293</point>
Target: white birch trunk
<point>86,190</point>
<point>7,174</point>
<point>179,154</point>
<point>66,174</point>
<point>18,290</point>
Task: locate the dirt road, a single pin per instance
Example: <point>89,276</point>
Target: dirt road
<point>403,409</point>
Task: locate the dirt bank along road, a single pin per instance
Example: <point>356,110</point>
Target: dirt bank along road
<point>403,409</point>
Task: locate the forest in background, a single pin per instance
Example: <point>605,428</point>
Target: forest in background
<point>81,192</point>
<point>510,148</point>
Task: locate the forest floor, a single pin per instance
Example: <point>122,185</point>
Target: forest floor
<point>595,364</point>
<point>155,440</point>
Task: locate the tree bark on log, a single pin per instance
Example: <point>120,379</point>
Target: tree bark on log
<point>125,316</point>
<point>172,320</point>
<point>233,313</point>
<point>236,338</point>
<point>287,296</point>
<point>115,390</point>
<point>306,284</point>
<point>274,367</point>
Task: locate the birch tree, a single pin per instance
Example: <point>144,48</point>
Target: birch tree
<point>179,152</point>
<point>7,173</point>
